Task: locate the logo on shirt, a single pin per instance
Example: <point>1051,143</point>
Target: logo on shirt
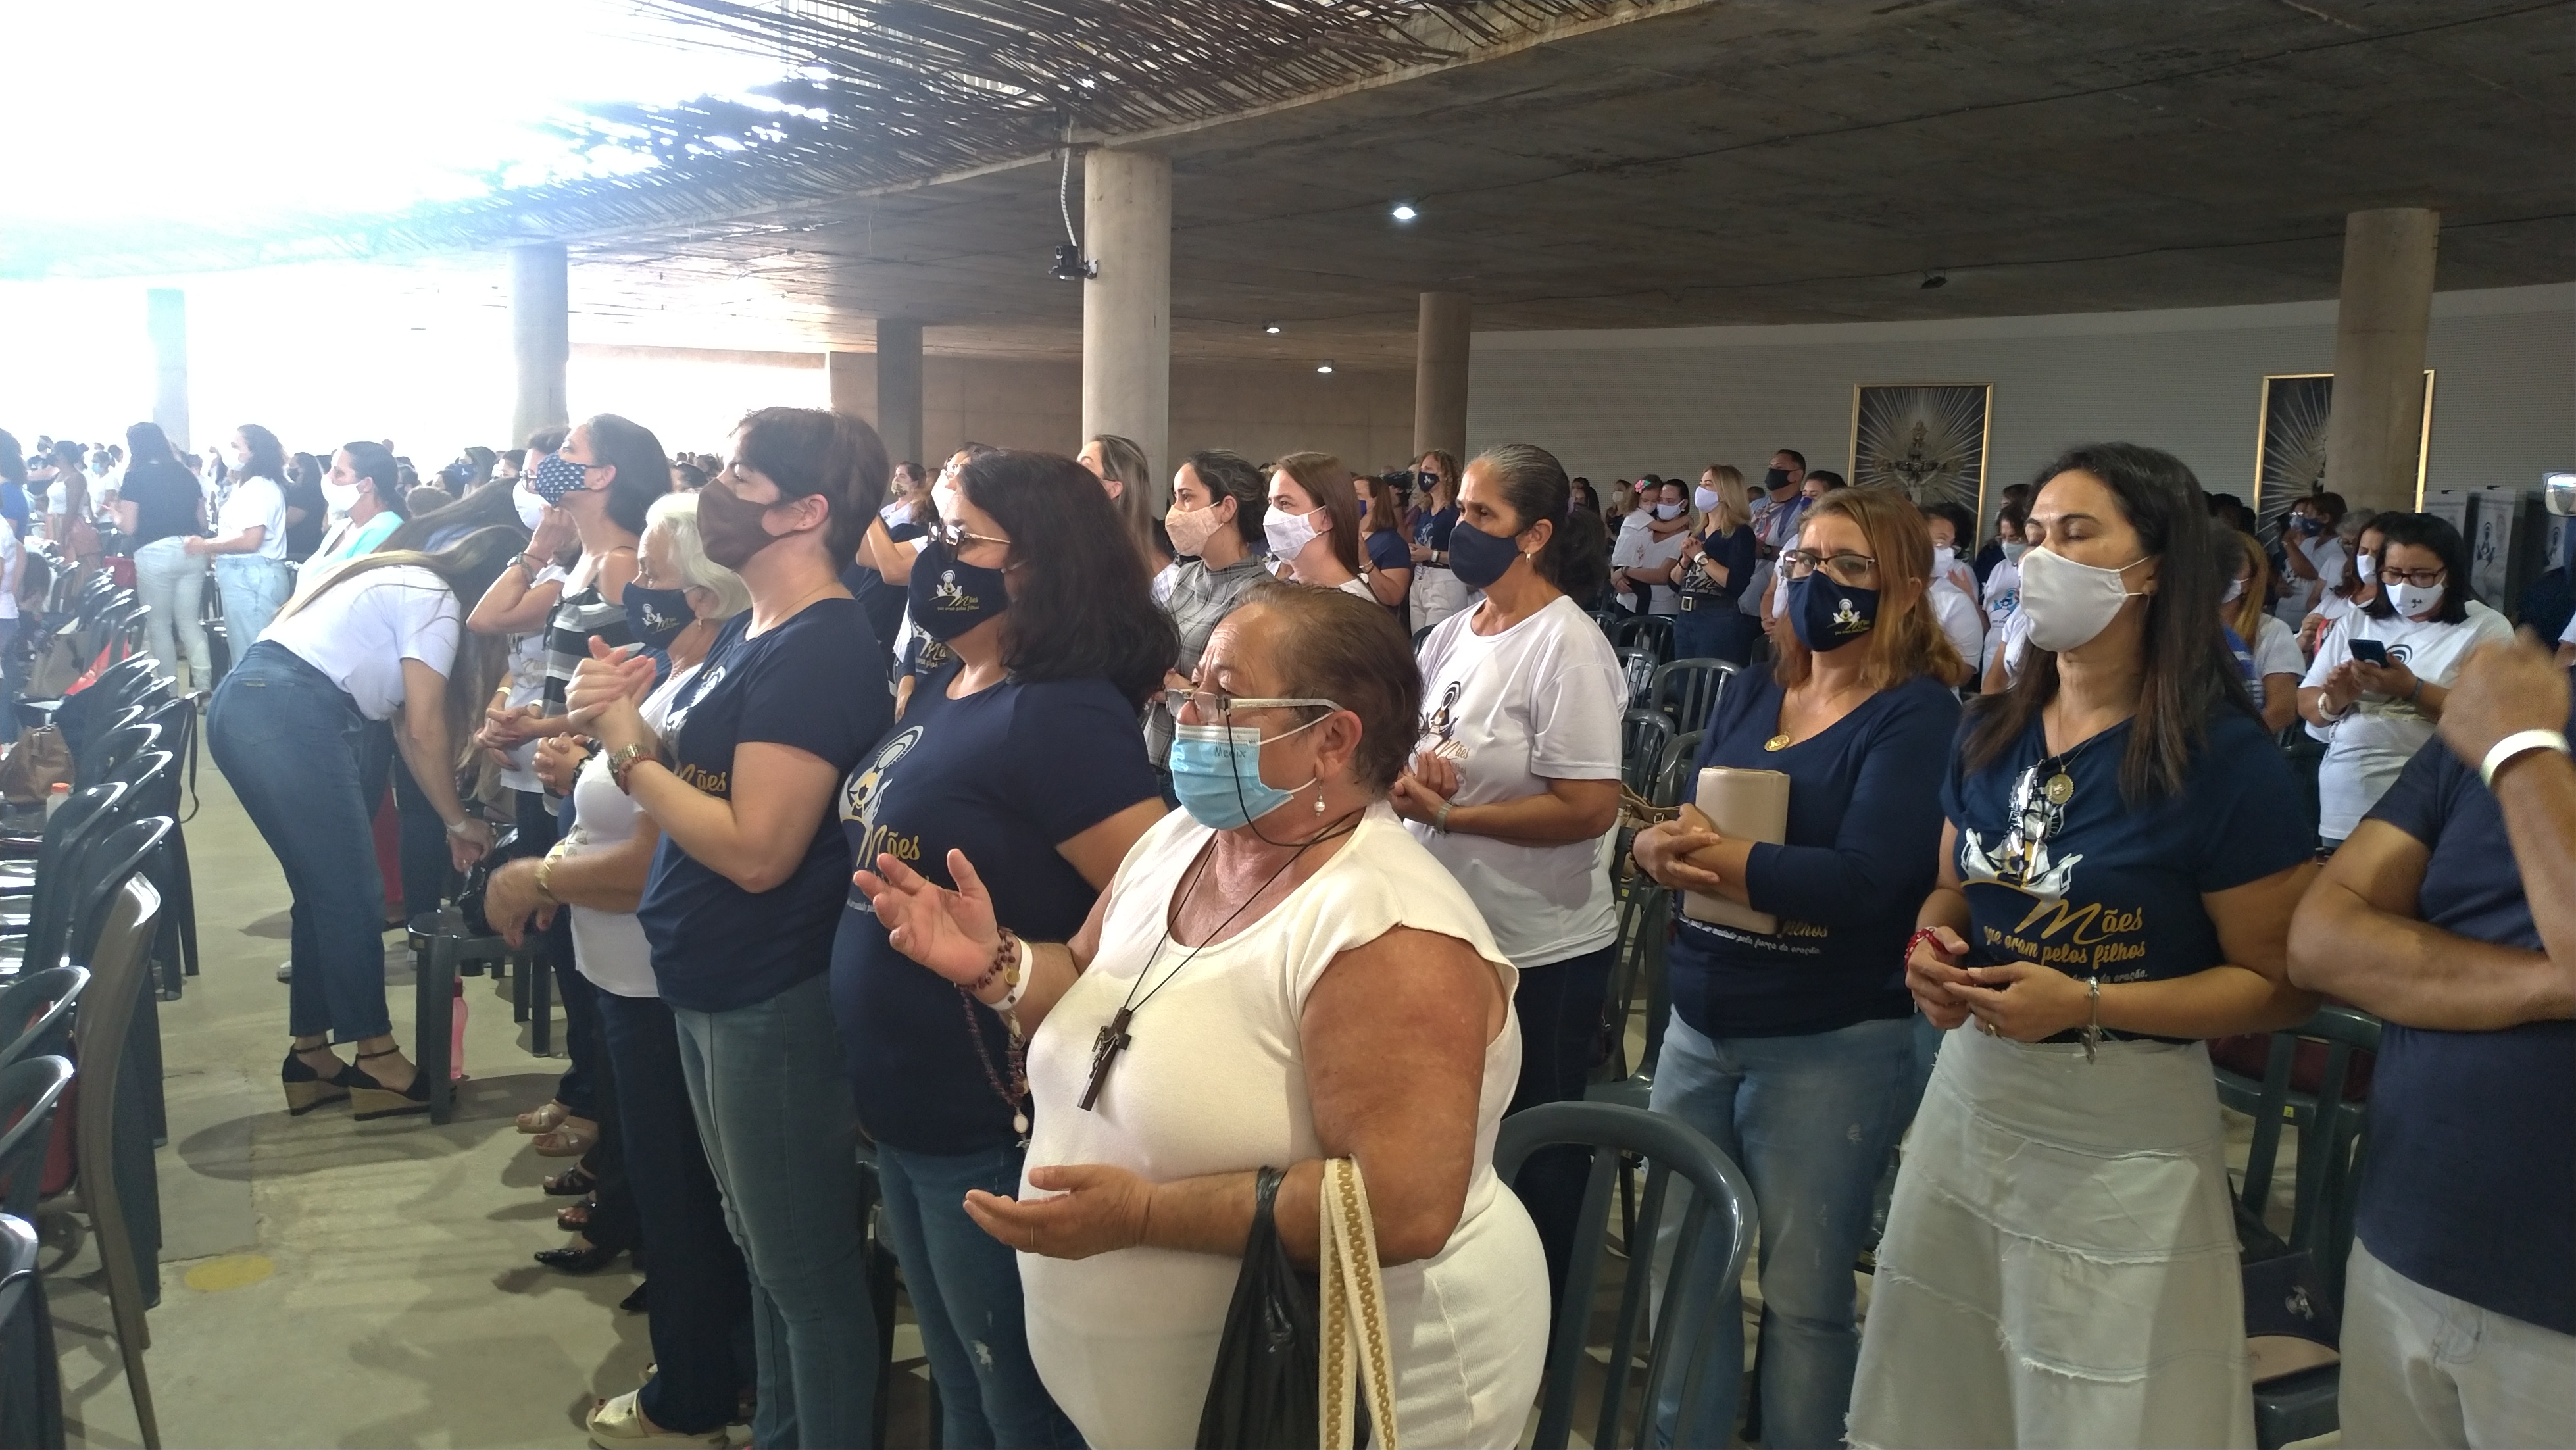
<point>2081,938</point>
<point>1441,726</point>
<point>860,800</point>
<point>699,689</point>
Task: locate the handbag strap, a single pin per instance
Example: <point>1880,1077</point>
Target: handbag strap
<point>1353,1313</point>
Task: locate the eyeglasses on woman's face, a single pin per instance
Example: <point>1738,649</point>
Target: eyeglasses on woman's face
<point>1855,571</point>
<point>2420,578</point>
<point>1212,707</point>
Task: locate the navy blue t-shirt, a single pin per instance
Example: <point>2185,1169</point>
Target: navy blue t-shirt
<point>1863,848</point>
<point>1733,552</point>
<point>813,683</point>
<point>1006,775</point>
<point>1431,530</point>
<point>13,506</point>
<point>2075,879</point>
<point>2469,1186</point>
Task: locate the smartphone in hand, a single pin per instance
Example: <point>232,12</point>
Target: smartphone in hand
<point>2371,650</point>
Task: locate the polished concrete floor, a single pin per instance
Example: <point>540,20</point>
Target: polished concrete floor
<point>329,1282</point>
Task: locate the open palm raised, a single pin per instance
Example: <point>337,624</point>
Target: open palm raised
<point>951,932</point>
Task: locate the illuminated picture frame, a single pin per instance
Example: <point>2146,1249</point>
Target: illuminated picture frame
<point>2290,440</point>
<point>1930,439</point>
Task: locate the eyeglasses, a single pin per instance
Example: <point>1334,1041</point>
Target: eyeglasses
<point>2420,578</point>
<point>1853,570</point>
<point>956,535</point>
<point>1217,704</point>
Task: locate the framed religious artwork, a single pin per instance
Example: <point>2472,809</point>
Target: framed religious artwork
<point>1928,439</point>
<point>2290,446</point>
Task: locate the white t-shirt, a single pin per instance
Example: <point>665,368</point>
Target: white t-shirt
<point>608,946</point>
<point>2333,564</point>
<point>2367,748</point>
<point>255,502</point>
<point>1538,702</point>
<point>1359,587</point>
<point>2013,639</point>
<point>1642,550</point>
<point>2002,600</point>
<point>12,561</point>
<point>359,633</point>
<point>1959,618</point>
<point>2276,652</point>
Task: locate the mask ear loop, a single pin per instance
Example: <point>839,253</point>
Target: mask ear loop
<point>1250,822</point>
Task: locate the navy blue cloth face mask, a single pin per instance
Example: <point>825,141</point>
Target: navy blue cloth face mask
<point>949,597</point>
<point>1826,615</point>
<point>658,615</point>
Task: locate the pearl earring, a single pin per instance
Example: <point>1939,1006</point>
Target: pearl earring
<point>1319,802</point>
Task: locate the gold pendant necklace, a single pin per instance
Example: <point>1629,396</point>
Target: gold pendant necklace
<point>1777,742</point>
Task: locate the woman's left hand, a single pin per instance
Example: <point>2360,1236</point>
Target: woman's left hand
<point>1097,1209</point>
<point>2034,1002</point>
<point>605,690</point>
<point>467,846</point>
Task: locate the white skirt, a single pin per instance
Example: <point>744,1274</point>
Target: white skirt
<point>2060,1264</point>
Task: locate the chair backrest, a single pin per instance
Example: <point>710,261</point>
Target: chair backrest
<point>114,860</point>
<point>1644,920</point>
<point>115,745</point>
<point>1643,734</point>
<point>121,971</point>
<point>87,814</point>
<point>1718,1222</point>
<point>152,777</point>
<point>36,1013</point>
<point>1687,690</point>
<point>28,1091</point>
<point>31,1382</point>
<point>1652,632</point>
<point>1673,774</point>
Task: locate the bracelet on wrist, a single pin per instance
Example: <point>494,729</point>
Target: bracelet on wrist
<point>461,825</point>
<point>621,766</point>
<point>2516,745</point>
<point>1921,935</point>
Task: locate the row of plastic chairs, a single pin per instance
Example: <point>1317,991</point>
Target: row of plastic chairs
<point>70,1029</point>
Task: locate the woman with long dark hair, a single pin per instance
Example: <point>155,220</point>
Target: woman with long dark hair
<point>67,521</point>
<point>1215,522</point>
<point>2122,855</point>
<point>1022,753</point>
<point>748,887</point>
<point>382,641</point>
<point>308,513</point>
<point>160,508</point>
<point>363,488</point>
<point>1514,785</point>
<point>1390,559</point>
<point>249,546</point>
<point>13,484</point>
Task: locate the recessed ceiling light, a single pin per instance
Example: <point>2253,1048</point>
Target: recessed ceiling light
<point>1272,328</point>
<point>1404,211</point>
<point>1323,367</point>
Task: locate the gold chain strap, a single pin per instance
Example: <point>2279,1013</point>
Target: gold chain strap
<point>1354,1313</point>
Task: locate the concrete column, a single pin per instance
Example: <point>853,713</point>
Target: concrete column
<point>1127,309</point>
<point>1440,373</point>
<point>2378,418</point>
<point>540,335</point>
<point>166,318</point>
<point>899,389</point>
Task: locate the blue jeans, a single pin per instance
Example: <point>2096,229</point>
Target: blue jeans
<point>772,1102</point>
<point>1809,1119</point>
<point>254,589</point>
<point>700,1309</point>
<point>172,582</point>
<point>292,745</point>
<point>966,1290</point>
<point>1715,630</point>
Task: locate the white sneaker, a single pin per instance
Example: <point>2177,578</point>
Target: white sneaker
<point>620,1422</point>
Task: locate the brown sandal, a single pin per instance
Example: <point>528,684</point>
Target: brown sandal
<point>571,1138</point>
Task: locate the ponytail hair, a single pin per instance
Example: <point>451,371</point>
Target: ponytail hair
<point>374,462</point>
<point>1575,557</point>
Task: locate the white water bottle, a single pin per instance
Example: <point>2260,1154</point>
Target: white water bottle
<point>54,798</point>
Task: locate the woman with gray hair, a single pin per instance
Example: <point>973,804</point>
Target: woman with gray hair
<point>700,1298</point>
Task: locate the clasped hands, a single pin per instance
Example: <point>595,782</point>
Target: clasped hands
<point>605,691</point>
<point>1425,788</point>
<point>2020,1000</point>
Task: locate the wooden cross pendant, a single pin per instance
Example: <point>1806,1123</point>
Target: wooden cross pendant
<point>1105,1047</point>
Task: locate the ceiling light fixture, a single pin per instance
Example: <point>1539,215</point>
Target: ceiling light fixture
<point>1274,329</point>
<point>1404,211</point>
<point>1324,367</point>
<point>1935,279</point>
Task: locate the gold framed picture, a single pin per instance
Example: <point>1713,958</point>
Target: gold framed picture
<point>1929,439</point>
<point>2290,445</point>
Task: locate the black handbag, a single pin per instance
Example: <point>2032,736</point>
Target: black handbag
<point>1262,1394</point>
<point>2291,1322</point>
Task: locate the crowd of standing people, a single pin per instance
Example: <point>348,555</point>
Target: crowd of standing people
<point>1096,871</point>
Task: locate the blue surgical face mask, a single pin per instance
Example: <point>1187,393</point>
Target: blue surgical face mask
<point>1826,615</point>
<point>1216,772</point>
<point>558,478</point>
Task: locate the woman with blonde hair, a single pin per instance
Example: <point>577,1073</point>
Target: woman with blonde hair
<point>1123,469</point>
<point>1436,592</point>
<point>1716,562</point>
<point>2267,649</point>
<point>1791,1043</point>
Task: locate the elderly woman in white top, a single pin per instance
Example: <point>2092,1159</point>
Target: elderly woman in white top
<point>679,600</point>
<point>1291,978</point>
